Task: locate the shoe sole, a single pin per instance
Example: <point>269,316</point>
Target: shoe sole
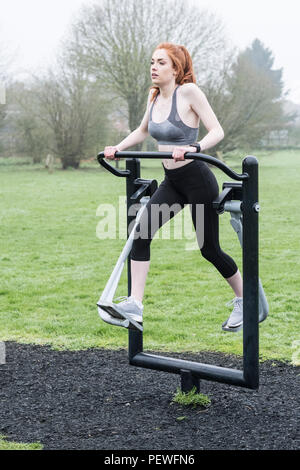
<point>232,329</point>
<point>235,329</point>
<point>111,310</point>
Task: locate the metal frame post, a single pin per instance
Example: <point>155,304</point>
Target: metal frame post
<point>189,381</point>
<point>134,166</point>
<point>250,273</point>
<point>135,338</point>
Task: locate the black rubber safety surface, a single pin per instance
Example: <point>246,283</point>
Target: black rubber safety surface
<point>94,399</point>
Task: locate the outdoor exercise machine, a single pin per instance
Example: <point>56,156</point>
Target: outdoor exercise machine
<point>241,200</point>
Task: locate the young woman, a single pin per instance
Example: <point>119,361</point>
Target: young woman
<point>174,109</point>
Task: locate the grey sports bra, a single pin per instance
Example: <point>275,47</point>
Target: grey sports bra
<point>172,130</point>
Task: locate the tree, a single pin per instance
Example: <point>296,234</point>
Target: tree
<point>248,100</point>
<point>2,85</point>
<point>7,58</point>
<point>2,104</point>
<point>29,132</point>
<point>261,57</point>
<point>71,105</point>
<point>114,40</point>
<point>61,112</point>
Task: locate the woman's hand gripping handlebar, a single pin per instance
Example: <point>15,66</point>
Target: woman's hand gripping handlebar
<point>110,151</point>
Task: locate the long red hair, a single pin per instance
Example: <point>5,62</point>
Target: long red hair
<point>182,63</point>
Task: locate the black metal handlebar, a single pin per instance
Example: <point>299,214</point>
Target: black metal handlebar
<point>189,155</point>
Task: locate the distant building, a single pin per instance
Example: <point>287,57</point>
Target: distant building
<point>288,135</point>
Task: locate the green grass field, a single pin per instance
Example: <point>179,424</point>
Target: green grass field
<point>53,266</point>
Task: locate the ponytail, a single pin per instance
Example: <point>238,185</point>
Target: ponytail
<point>188,75</point>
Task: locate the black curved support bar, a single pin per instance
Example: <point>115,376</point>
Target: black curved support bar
<point>110,168</point>
<point>189,155</point>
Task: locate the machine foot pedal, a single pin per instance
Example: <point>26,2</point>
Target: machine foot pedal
<point>109,308</point>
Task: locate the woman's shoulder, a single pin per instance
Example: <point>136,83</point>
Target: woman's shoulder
<point>185,87</point>
<point>188,88</point>
<point>191,91</point>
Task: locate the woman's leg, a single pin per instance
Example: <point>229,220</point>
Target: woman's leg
<point>202,188</point>
<point>236,283</point>
<point>199,186</point>
<point>139,271</point>
<point>165,203</point>
<point>212,251</point>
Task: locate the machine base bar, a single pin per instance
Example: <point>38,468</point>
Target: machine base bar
<point>202,371</point>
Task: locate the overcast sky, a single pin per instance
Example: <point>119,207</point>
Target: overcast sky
<point>34,28</point>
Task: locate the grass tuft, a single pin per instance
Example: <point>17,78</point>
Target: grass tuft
<point>5,445</point>
<point>191,398</point>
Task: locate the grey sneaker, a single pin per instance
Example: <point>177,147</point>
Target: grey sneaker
<point>235,321</point>
<point>131,307</point>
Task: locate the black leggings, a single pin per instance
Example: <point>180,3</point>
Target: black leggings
<point>194,184</point>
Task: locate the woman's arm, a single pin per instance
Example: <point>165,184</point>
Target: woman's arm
<point>200,105</point>
<point>202,108</point>
<point>135,137</point>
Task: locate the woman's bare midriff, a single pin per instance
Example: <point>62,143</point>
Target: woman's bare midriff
<point>168,163</point>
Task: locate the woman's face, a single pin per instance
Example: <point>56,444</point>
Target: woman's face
<point>162,69</point>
